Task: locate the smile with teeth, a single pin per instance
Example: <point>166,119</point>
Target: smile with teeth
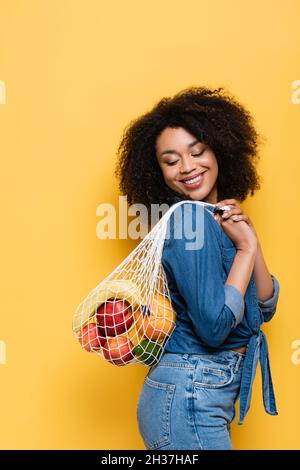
<point>194,180</point>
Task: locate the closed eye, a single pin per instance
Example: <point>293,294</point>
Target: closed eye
<point>202,151</point>
<point>197,154</point>
<point>193,155</point>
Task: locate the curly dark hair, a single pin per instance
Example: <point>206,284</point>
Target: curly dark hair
<point>213,116</point>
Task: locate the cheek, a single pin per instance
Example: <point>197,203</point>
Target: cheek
<point>169,173</point>
<point>212,162</point>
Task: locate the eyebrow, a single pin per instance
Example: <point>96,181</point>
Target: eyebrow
<point>191,144</point>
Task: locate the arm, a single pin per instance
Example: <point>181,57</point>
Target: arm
<point>263,280</point>
<point>267,287</point>
<point>241,269</point>
<point>214,307</point>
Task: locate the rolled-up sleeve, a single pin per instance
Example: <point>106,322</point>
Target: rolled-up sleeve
<point>268,307</point>
<point>235,301</point>
<point>214,308</point>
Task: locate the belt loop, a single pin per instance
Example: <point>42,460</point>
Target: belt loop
<point>185,356</point>
<point>237,364</point>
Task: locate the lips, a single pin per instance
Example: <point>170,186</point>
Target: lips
<point>190,185</point>
<point>191,177</point>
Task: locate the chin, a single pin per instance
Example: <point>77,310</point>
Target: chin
<point>196,195</point>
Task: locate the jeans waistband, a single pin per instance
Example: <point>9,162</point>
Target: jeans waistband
<point>229,356</point>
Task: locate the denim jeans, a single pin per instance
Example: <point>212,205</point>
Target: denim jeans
<point>188,401</point>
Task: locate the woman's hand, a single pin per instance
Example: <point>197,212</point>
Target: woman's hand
<point>242,234</point>
<point>235,213</point>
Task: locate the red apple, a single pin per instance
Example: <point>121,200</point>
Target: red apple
<point>118,350</point>
<point>90,337</point>
<point>114,317</point>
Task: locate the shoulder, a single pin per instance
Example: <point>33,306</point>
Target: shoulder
<point>193,216</point>
<point>196,212</point>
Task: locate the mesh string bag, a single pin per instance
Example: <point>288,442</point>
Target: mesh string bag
<point>128,318</point>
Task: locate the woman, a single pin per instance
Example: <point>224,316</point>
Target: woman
<point>201,145</point>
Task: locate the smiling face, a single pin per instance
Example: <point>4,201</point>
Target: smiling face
<point>181,156</point>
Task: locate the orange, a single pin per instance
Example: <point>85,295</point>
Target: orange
<point>156,320</point>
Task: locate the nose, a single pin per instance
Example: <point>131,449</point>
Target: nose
<point>187,165</point>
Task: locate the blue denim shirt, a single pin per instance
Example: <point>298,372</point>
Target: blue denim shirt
<point>211,315</point>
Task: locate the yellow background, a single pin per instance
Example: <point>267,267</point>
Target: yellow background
<point>76,73</point>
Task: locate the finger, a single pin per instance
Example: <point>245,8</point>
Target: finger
<point>227,221</point>
<point>228,207</point>
<point>223,208</point>
<point>239,217</point>
<point>233,211</point>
